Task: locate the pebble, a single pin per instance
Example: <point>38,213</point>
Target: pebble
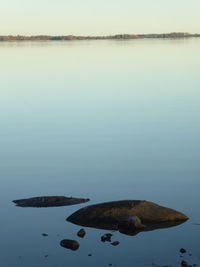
<point>182,250</point>
<point>184,264</point>
<point>44,234</point>
<point>106,237</point>
<point>115,243</point>
<point>70,244</point>
<point>81,233</point>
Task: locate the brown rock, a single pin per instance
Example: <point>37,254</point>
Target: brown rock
<point>117,210</point>
<point>70,244</point>
<point>81,233</point>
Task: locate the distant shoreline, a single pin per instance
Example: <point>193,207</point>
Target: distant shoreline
<point>173,35</point>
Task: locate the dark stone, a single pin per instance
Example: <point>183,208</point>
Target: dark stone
<point>106,237</point>
<point>182,250</point>
<point>44,234</point>
<point>89,255</point>
<point>49,201</point>
<point>46,256</point>
<point>184,264</point>
<point>69,244</point>
<point>81,233</point>
<point>119,210</point>
<point>128,216</point>
<point>115,243</point>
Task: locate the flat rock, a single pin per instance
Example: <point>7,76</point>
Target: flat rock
<point>49,201</point>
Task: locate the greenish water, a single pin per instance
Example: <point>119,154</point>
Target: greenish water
<point>108,120</point>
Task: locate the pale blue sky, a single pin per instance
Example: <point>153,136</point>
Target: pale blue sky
<point>98,17</point>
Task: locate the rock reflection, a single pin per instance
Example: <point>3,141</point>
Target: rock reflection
<point>129,230</point>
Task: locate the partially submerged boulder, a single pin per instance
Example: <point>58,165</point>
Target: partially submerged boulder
<point>49,201</point>
<point>127,216</point>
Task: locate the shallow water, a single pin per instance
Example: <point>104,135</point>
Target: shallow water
<point>108,120</point>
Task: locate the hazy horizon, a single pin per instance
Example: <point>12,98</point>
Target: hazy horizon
<point>28,17</point>
<point>103,35</point>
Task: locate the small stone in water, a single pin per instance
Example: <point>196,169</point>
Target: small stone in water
<point>106,237</point>
<point>69,244</point>
<point>182,250</point>
<point>184,264</point>
<point>44,234</point>
<point>81,233</point>
<point>115,243</point>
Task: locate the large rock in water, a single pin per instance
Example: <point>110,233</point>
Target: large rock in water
<point>127,215</point>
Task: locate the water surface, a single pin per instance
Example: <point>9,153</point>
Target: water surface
<point>108,120</point>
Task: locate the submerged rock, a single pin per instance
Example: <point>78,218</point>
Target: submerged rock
<point>127,216</point>
<point>69,244</point>
<point>49,201</point>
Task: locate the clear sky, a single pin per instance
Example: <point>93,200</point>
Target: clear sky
<point>98,17</point>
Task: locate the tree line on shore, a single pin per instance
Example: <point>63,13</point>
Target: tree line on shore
<point>172,35</point>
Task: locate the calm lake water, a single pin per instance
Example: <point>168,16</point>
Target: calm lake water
<point>108,120</point>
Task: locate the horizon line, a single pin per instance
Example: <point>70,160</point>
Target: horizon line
<point>97,37</point>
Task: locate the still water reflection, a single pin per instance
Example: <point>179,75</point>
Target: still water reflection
<point>103,120</point>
